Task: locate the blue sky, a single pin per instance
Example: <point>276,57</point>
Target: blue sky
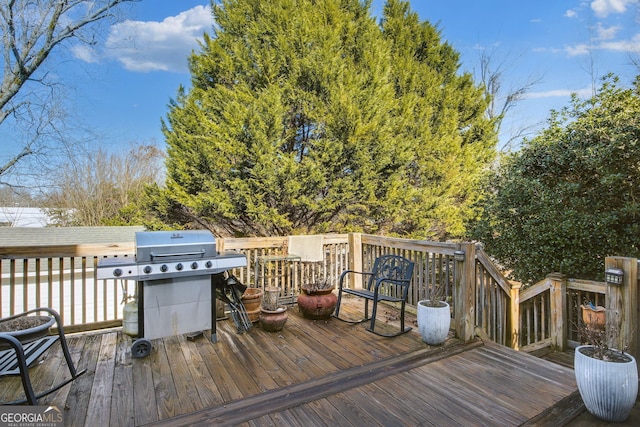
<point>123,85</point>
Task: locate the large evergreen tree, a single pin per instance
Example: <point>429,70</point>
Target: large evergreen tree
<point>306,116</point>
<point>441,116</point>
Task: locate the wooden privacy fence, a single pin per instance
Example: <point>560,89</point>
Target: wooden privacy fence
<point>64,278</point>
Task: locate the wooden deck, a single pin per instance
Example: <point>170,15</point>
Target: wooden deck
<point>310,373</point>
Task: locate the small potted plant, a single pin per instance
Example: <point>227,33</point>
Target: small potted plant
<point>607,378</point>
<point>434,316</point>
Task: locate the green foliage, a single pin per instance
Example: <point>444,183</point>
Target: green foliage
<point>569,197</point>
<point>306,116</point>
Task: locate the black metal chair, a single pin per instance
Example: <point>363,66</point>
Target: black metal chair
<point>389,280</point>
<point>24,351</point>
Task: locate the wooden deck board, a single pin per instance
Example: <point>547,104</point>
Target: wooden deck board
<point>311,373</point>
<point>99,408</point>
<point>204,385</point>
<point>145,407</point>
<point>164,388</point>
<point>216,359</point>
<point>77,400</point>
<point>121,402</point>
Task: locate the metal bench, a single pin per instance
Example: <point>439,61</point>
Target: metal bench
<point>22,351</point>
<point>389,280</point>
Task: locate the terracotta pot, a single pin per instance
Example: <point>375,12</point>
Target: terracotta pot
<point>594,317</point>
<point>252,300</point>
<point>317,304</point>
<point>273,320</point>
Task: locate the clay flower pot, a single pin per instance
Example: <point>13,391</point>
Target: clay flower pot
<point>273,320</point>
<point>252,300</point>
<point>594,316</point>
<point>317,303</point>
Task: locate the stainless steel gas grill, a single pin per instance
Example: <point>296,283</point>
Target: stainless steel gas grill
<point>175,287</point>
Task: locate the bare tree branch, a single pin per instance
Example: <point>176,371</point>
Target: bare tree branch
<point>30,31</point>
<point>492,76</point>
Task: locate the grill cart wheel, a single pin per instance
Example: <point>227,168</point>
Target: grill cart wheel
<point>141,348</point>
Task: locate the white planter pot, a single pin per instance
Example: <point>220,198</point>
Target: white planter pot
<point>434,322</point>
<point>608,389</point>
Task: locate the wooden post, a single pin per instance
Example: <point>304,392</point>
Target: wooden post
<point>515,315</point>
<point>465,292</point>
<point>622,306</point>
<point>558,303</point>
<point>355,258</point>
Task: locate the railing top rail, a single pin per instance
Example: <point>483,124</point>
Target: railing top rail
<point>587,285</point>
<point>275,241</point>
<point>55,251</point>
<point>535,290</point>
<point>493,271</point>
<point>445,248</point>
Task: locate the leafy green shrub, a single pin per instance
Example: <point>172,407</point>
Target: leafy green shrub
<point>571,196</point>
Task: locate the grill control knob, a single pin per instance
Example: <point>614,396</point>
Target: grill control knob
<point>147,269</point>
<point>179,266</point>
<point>208,264</point>
<point>194,265</point>
<point>117,272</point>
<point>164,268</point>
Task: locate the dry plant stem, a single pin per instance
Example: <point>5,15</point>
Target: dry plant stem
<point>598,338</point>
<point>319,286</point>
<point>435,294</point>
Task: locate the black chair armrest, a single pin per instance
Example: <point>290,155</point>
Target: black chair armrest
<point>346,272</point>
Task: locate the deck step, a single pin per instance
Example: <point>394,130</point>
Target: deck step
<point>242,410</point>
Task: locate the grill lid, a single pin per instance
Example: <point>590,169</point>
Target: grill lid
<point>166,246</point>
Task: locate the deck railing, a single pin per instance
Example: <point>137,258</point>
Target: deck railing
<point>549,312</point>
<point>539,327</point>
<point>546,314</point>
<point>63,277</point>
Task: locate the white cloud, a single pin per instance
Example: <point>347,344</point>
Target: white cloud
<point>579,49</point>
<point>84,53</point>
<point>604,8</point>
<point>571,13</point>
<point>606,33</point>
<point>559,93</point>
<point>150,46</point>
<point>631,45</point>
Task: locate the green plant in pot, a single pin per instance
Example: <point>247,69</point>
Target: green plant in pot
<point>607,378</point>
<point>434,316</point>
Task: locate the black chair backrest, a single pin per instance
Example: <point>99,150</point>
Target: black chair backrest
<point>395,268</point>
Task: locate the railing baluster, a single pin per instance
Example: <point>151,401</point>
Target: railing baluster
<point>12,287</point>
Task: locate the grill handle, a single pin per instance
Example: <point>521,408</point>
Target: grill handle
<point>201,252</point>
